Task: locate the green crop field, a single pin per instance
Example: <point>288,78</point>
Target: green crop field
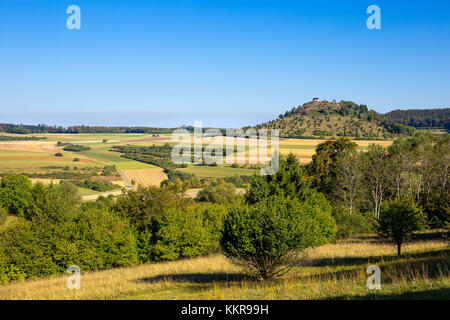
<point>217,172</point>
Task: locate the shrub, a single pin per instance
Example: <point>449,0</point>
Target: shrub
<point>76,159</point>
<point>3,215</point>
<point>103,240</point>
<point>289,182</point>
<point>15,193</point>
<point>92,239</point>
<point>180,233</point>
<point>142,207</point>
<point>76,148</point>
<point>189,232</point>
<point>398,219</point>
<point>59,154</point>
<point>348,224</point>
<point>265,237</point>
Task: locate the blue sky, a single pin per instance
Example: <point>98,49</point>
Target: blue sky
<point>229,63</point>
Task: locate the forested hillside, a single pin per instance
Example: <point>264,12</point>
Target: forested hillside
<point>332,119</point>
<point>422,118</point>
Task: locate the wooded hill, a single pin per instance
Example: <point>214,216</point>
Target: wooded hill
<point>333,119</point>
<point>422,118</point>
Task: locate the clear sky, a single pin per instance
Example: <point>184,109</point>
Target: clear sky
<point>227,62</point>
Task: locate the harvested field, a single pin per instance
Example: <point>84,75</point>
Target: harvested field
<point>145,177</point>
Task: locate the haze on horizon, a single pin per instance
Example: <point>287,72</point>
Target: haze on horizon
<point>228,63</point>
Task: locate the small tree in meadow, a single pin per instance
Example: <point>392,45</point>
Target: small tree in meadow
<point>398,219</point>
<point>265,238</point>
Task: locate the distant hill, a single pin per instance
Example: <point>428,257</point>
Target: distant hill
<point>332,119</point>
<point>422,118</point>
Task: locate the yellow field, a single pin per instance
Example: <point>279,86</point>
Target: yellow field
<point>333,271</point>
<point>145,177</point>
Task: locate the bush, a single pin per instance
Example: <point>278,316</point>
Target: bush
<point>142,207</point>
<point>3,215</point>
<point>59,154</point>
<point>189,232</point>
<point>181,233</point>
<point>223,193</point>
<point>348,224</point>
<point>93,239</point>
<point>265,237</point>
<point>76,160</point>
<point>76,148</point>
<point>398,219</point>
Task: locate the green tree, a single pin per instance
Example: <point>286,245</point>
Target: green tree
<point>290,182</point>
<point>264,238</point>
<point>398,219</point>
<point>180,233</point>
<point>222,193</point>
<point>15,193</point>
<point>348,186</point>
<point>376,175</point>
<point>324,161</point>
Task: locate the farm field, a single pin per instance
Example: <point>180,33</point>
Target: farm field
<point>332,271</point>
<point>37,157</point>
<point>217,172</point>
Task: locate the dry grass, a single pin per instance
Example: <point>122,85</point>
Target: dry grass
<point>146,177</point>
<point>332,271</point>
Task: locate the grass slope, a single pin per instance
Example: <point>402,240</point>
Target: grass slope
<point>333,271</point>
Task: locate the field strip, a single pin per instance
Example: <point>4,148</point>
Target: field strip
<point>104,194</point>
<point>145,177</point>
<point>52,159</point>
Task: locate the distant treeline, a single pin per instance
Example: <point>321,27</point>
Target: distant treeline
<point>42,128</point>
<point>422,118</point>
<point>15,138</point>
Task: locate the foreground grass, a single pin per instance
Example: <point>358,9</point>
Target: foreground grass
<point>333,271</point>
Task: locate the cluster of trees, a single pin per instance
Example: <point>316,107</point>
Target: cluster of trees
<point>100,186</point>
<point>422,118</point>
<point>16,138</point>
<point>414,169</point>
<point>76,148</point>
<point>42,128</point>
<point>45,229</point>
<point>49,229</point>
<point>158,155</point>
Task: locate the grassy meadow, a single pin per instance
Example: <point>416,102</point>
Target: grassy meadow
<point>332,271</point>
